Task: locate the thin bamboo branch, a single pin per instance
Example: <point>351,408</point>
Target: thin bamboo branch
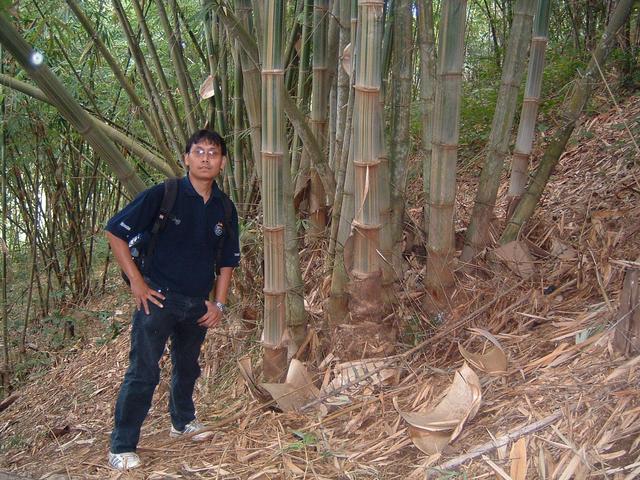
<point>33,62</point>
<point>513,435</point>
<point>180,134</point>
<point>178,65</point>
<point>150,125</point>
<point>114,134</point>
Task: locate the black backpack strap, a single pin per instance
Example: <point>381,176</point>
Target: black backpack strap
<point>168,199</point>
<point>227,231</point>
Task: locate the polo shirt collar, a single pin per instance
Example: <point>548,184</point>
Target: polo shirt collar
<point>188,187</point>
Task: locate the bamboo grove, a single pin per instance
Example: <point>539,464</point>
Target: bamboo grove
<point>323,103</point>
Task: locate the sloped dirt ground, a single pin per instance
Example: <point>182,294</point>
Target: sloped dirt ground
<point>555,327</point>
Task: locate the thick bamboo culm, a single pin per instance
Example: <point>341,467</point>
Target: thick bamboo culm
<point>273,178</point>
<point>569,115</point>
<point>367,141</point>
<point>319,110</point>
<point>526,128</point>
<point>477,236</point>
<point>445,145</point>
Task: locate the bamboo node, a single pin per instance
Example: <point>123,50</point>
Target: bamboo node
<point>265,72</point>
<point>275,229</point>
<point>365,164</point>
<point>273,292</point>
<point>366,88</point>
<point>364,226</point>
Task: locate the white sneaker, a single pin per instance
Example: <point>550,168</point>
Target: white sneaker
<point>192,427</point>
<point>124,461</point>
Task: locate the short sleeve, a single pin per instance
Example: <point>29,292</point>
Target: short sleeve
<point>137,216</point>
<point>230,256</point>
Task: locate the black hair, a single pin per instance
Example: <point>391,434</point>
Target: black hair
<point>208,136</point>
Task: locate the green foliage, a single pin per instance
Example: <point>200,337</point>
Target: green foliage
<point>305,440</point>
<point>13,442</point>
<point>560,70</point>
<point>32,364</point>
<point>479,96</point>
<point>109,325</point>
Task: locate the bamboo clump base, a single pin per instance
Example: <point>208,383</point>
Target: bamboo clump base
<point>573,400</point>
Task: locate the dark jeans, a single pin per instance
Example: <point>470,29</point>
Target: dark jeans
<point>149,334</point>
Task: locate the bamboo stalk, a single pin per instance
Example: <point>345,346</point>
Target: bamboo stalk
<point>367,148</point>
<point>319,110</point>
<point>6,366</point>
<point>477,236</point>
<point>401,144</point>
<point>427,91</point>
<point>33,62</point>
<point>273,161</point>
<point>114,134</point>
<point>342,218</point>
<point>445,145</point>
<point>183,70</point>
<point>180,135</point>
<point>526,128</point>
<point>178,65</point>
<point>150,125</point>
<point>570,115</point>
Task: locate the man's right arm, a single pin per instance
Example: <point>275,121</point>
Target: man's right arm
<point>142,293</point>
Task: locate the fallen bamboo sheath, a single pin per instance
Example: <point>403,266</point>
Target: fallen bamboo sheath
<point>492,445</point>
<point>395,358</point>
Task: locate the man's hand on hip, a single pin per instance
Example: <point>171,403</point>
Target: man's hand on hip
<point>143,294</point>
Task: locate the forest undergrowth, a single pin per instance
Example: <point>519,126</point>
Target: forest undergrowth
<point>555,326</point>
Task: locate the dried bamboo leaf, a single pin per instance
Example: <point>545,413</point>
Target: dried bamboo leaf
<point>297,390</point>
<point>493,361</point>
<point>515,255</point>
<point>246,371</point>
<point>459,404</point>
<point>518,457</point>
<point>429,442</point>
<point>448,418</point>
<point>206,89</point>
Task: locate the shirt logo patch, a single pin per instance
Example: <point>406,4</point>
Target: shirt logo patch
<point>175,220</point>
<point>218,230</point>
<point>125,226</point>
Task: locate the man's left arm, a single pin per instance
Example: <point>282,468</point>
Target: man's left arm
<point>214,314</point>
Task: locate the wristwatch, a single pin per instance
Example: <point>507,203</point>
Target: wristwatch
<point>221,306</point>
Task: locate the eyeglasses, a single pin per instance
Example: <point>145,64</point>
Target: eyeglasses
<point>199,152</point>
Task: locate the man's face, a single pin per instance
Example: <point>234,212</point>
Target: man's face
<point>204,161</point>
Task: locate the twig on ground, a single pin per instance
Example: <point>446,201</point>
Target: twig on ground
<point>493,445</point>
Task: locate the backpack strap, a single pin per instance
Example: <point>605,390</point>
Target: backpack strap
<point>168,199</point>
<point>226,230</point>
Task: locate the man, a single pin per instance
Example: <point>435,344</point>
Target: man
<point>171,294</point>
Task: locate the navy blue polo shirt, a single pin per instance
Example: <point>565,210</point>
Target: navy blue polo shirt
<point>184,256</point>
